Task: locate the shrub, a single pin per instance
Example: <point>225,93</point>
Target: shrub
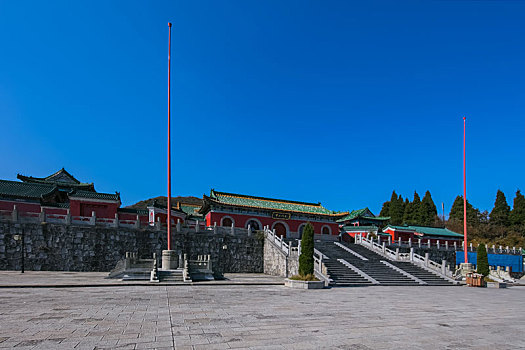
<point>309,277</point>
<point>306,259</point>
<point>483,260</point>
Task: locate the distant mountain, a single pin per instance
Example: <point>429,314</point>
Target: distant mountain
<point>163,200</point>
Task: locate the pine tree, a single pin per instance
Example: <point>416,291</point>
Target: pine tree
<point>499,216</point>
<point>411,215</point>
<point>427,210</point>
<point>483,260</point>
<point>306,259</point>
<point>517,215</point>
<point>396,209</point>
<point>385,210</point>
<point>456,212</point>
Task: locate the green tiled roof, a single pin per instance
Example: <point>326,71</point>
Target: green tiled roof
<point>61,178</point>
<point>25,190</point>
<point>95,195</point>
<point>189,209</point>
<point>269,203</point>
<point>359,228</point>
<point>360,213</point>
<point>430,231</point>
<point>133,211</point>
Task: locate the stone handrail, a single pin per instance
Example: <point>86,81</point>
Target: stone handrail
<point>425,262</point>
<point>320,270</point>
<point>270,234</point>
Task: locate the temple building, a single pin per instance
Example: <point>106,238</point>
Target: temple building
<point>361,221</point>
<point>425,233</point>
<point>61,193</point>
<point>288,218</point>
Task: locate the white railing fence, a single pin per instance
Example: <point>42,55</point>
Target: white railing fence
<point>416,259</point>
<point>279,241</point>
<point>320,269</point>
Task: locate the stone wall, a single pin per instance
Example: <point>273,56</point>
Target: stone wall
<point>60,247</point>
<point>277,262</point>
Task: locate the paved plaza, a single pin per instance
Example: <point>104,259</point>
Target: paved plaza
<point>261,317</point>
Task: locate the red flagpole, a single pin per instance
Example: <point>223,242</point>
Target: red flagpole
<point>464,194</point>
<point>169,140</point>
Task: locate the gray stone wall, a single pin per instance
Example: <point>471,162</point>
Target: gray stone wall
<point>60,247</point>
<point>277,263</point>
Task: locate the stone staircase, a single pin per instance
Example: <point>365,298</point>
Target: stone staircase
<point>359,266</point>
<point>343,276</point>
<point>426,276</point>
<point>171,275</point>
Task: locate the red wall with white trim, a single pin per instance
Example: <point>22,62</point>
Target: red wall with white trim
<point>293,225</point>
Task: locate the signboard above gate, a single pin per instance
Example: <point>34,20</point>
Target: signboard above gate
<point>283,216</point>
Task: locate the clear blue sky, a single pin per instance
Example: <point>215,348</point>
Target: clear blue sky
<point>331,101</point>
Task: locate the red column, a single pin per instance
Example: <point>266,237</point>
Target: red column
<point>169,140</point>
<point>464,193</point>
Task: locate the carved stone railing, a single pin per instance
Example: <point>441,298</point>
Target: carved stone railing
<point>320,270</point>
<point>279,241</point>
<point>440,269</point>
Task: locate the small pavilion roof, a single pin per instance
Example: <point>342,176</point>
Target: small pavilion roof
<point>94,195</point>
<point>351,228</point>
<point>241,200</point>
<point>364,213</point>
<point>61,178</point>
<point>426,230</point>
<point>138,211</point>
<point>158,205</point>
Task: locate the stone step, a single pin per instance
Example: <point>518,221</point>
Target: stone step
<point>373,267</point>
<point>171,275</point>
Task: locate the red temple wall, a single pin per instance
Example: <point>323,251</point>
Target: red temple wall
<point>20,206</point>
<point>131,216</point>
<point>163,218</point>
<point>58,211</point>
<point>293,225</point>
<point>84,208</point>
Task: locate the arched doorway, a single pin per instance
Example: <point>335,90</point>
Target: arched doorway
<point>300,230</point>
<point>254,224</point>
<point>227,222</point>
<point>280,229</point>
<point>326,230</point>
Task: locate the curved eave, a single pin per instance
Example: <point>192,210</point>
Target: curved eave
<point>270,209</point>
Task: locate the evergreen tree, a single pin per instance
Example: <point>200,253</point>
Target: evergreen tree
<point>411,215</point>
<point>499,216</point>
<point>385,210</point>
<point>456,212</point>
<point>483,260</point>
<point>517,215</point>
<point>306,259</point>
<point>396,209</point>
<point>427,210</point>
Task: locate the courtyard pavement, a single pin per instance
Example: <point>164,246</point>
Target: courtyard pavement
<point>219,316</point>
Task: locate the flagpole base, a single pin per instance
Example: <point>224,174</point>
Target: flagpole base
<point>465,268</point>
<point>170,260</point>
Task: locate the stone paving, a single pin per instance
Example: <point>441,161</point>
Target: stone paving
<point>261,317</point>
<point>98,279</point>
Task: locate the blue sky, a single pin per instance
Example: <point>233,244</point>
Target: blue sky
<point>338,102</point>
